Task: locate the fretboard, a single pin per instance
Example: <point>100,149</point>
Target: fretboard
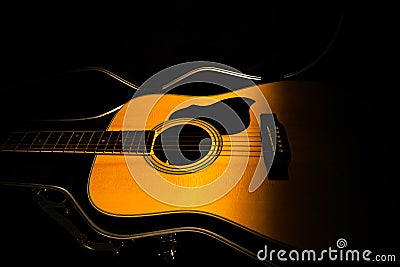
<point>99,142</point>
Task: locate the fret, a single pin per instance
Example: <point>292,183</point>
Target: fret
<point>93,142</point>
<point>103,141</point>
<point>118,143</point>
<point>84,141</point>
<point>40,141</point>
<point>20,141</point>
<point>70,134</point>
<point>145,142</point>
<point>136,142</point>
<point>110,147</point>
<point>149,140</point>
<point>27,141</point>
<point>63,141</point>
<point>134,146</point>
<point>11,141</point>
<point>74,141</point>
<point>141,146</point>
<point>51,141</point>
<point>129,141</point>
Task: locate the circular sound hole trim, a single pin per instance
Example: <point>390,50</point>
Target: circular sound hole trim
<point>165,163</point>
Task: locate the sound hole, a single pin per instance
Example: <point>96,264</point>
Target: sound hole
<point>182,145</point>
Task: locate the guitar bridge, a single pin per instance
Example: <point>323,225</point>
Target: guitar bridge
<point>275,147</point>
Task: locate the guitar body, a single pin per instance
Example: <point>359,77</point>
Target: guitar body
<point>113,190</point>
<point>302,211</point>
<point>319,202</point>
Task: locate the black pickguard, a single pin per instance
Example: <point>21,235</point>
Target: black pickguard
<point>228,116</point>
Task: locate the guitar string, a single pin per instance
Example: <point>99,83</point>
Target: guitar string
<point>145,154</point>
<point>183,143</point>
<point>250,144</point>
<point>128,150</point>
<point>232,153</point>
<point>236,144</point>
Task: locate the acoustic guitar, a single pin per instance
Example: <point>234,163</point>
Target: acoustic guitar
<point>262,164</point>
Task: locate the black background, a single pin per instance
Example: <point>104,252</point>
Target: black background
<point>349,46</point>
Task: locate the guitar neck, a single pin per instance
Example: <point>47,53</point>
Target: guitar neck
<point>97,142</point>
